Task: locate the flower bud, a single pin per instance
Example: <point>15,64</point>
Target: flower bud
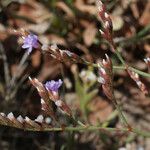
<point>139,83</point>
<point>106,77</point>
<point>107,32</point>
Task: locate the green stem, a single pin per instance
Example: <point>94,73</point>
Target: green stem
<point>144,74</point>
<point>120,57</point>
<point>141,133</point>
<point>121,114</point>
<point>81,128</point>
<point>123,67</point>
<point>119,67</point>
<point>140,36</point>
<point>88,128</point>
<point>78,122</point>
<point>140,72</point>
<point>130,68</point>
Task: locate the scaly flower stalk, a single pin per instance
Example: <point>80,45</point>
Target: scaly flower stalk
<point>147,61</point>
<point>107,32</point>
<point>106,79</point>
<point>139,83</point>
<point>49,93</point>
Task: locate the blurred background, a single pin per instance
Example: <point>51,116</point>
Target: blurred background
<point>73,25</point>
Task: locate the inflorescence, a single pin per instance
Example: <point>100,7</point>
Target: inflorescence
<point>49,92</point>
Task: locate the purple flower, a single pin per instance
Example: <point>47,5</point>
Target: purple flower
<point>30,42</point>
<point>53,85</point>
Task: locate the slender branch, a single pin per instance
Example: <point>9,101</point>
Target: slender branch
<point>119,67</point>
<point>6,67</point>
<point>140,36</point>
<point>144,74</point>
<point>139,72</point>
<point>82,128</point>
<point>123,67</point>
<point>87,128</point>
<point>119,56</point>
<point>141,133</point>
<point>20,66</point>
<point>121,113</point>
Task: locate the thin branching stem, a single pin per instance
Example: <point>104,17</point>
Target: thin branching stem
<point>118,107</point>
<point>20,66</point>
<point>81,128</point>
<point>123,67</point>
<point>120,57</point>
<point>6,67</point>
<point>88,128</point>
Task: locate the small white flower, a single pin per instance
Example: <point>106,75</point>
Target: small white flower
<point>42,101</point>
<point>104,62</point>
<point>27,119</point>
<point>147,60</point>
<point>83,73</point>
<point>102,33</point>
<point>39,119</point>
<point>45,47</point>
<point>48,120</point>
<point>101,80</point>
<point>54,47</point>
<point>58,103</point>
<point>106,15</point>
<point>10,116</point>
<point>2,114</point>
<point>102,70</point>
<point>99,5</point>
<point>20,119</point>
<point>139,83</point>
<point>106,25</point>
<point>87,75</point>
<point>107,57</point>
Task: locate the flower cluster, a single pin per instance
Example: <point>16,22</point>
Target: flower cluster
<point>147,61</point>
<point>107,24</point>
<point>40,123</point>
<point>53,85</point>
<point>106,77</point>
<point>30,42</point>
<point>62,55</point>
<point>49,93</point>
<point>139,83</point>
<point>87,76</point>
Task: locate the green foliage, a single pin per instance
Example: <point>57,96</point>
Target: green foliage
<point>84,91</point>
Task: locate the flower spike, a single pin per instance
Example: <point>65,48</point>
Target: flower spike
<point>139,83</point>
<point>49,93</point>
<point>107,32</point>
<point>106,77</point>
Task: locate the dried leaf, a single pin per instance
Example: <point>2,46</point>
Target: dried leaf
<point>36,59</point>
<point>89,34</point>
<point>85,8</point>
<point>117,22</point>
<point>100,110</point>
<point>145,18</point>
<point>66,9</point>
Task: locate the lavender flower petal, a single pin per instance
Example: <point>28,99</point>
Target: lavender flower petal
<point>53,85</point>
<point>30,42</point>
